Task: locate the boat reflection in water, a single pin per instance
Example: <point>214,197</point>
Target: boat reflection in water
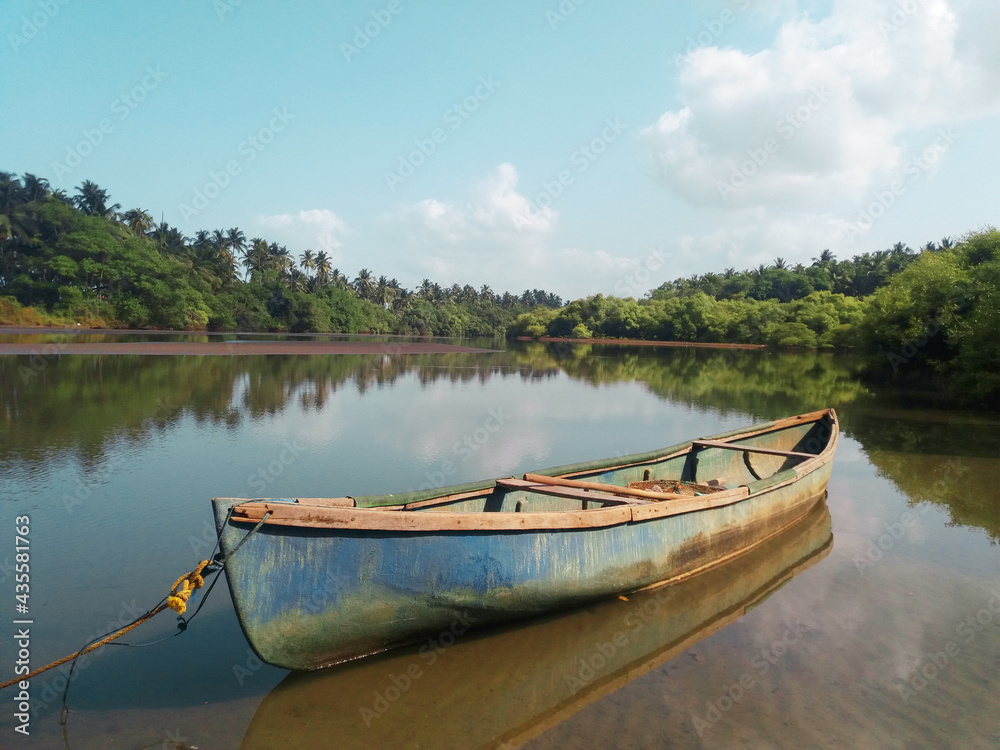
<point>505,686</point>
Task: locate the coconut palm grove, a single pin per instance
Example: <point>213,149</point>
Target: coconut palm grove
<point>930,318</point>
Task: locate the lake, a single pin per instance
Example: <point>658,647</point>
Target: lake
<point>875,622</point>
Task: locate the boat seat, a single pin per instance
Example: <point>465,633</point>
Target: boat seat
<point>571,492</point>
<point>749,448</point>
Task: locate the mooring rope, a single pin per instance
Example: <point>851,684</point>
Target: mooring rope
<point>178,598</point>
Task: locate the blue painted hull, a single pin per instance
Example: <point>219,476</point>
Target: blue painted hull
<point>310,596</point>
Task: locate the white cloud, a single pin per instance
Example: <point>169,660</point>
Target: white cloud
<point>820,116</point>
<point>492,208</point>
<point>316,229</point>
<point>495,235</point>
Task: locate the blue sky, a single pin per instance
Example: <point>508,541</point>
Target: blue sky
<point>576,146</point>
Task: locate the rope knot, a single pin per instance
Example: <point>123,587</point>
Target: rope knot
<point>185,586</point>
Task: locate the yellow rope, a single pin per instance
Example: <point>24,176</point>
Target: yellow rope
<point>177,600</point>
<point>184,586</point>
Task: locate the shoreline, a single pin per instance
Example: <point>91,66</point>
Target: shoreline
<point>642,342</point>
<point>239,348</point>
<point>42,330</point>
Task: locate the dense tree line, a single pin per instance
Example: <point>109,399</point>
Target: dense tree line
<point>83,258</point>
<point>914,314</point>
<point>931,318</point>
<point>857,277</point>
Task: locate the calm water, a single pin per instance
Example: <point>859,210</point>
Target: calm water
<point>874,623</point>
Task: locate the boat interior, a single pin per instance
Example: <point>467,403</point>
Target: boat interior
<point>740,464</point>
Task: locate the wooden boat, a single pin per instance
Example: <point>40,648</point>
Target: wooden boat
<point>323,580</point>
<point>502,687</point>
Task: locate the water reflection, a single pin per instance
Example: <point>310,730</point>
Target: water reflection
<point>531,676</point>
<point>82,404</point>
<point>79,403</point>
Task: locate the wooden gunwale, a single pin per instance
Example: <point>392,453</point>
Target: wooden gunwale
<point>390,518</point>
<point>778,424</point>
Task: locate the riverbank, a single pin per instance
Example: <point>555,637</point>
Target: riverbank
<point>642,342</point>
<point>239,348</point>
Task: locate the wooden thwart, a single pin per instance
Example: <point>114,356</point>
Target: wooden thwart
<point>560,482</point>
<point>571,491</point>
<point>750,448</point>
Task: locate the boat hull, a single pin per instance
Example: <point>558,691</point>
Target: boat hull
<point>311,596</point>
<point>546,669</point>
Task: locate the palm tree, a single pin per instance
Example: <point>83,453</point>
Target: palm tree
<point>169,239</point>
<point>225,253</point>
<point>307,261</point>
<point>485,293</point>
<point>825,257</point>
<point>364,285</point>
<point>945,241</point>
<point>93,200</point>
<point>425,290</point>
<point>219,240</point>
<point>280,259</point>
<point>35,188</point>
<point>138,221</point>
<point>201,239</point>
<point>15,221</point>
<point>296,279</point>
<point>780,263</point>
<point>237,241</point>
<point>384,293</point>
<point>255,257</point>
<point>202,263</point>
<point>323,267</point>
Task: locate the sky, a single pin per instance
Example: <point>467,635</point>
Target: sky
<point>576,146</point>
